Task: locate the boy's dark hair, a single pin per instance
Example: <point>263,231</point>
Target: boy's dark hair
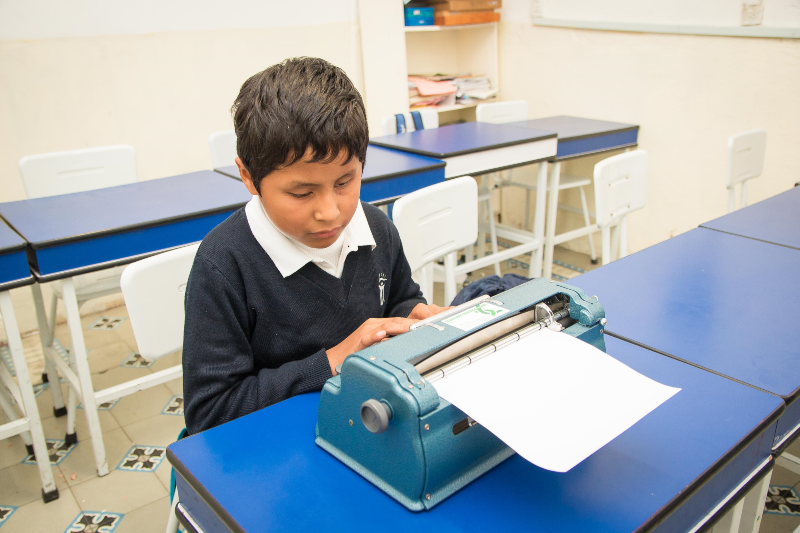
<point>299,104</point>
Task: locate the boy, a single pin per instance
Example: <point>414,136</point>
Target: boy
<point>305,274</point>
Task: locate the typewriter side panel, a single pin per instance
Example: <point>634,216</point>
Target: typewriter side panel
<point>393,460</point>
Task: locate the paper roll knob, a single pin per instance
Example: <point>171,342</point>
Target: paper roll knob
<point>376,415</point>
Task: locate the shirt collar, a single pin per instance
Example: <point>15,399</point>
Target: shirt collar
<point>283,251</point>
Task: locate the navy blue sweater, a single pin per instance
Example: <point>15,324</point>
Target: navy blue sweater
<point>253,338</point>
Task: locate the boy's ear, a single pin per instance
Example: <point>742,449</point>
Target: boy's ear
<point>246,178</point>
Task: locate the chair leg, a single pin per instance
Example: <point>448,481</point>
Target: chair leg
<point>615,242</point>
<point>623,237</point>
<point>744,194</point>
<point>587,223</point>
<point>493,236</point>
<point>72,403</point>
<point>606,231</point>
<point>731,200</point>
<point>172,520</point>
<point>84,375</point>
<point>47,342</point>
<point>51,317</point>
<point>6,403</point>
<point>49,490</point>
<point>528,210</point>
<point>449,278</point>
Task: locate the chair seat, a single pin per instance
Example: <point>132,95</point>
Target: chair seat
<point>566,182</point>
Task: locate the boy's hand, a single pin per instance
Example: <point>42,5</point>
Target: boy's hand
<point>422,311</point>
<point>370,332</point>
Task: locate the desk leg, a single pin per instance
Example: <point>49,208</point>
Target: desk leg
<point>538,221</point>
<point>49,490</point>
<point>47,348</point>
<point>552,211</point>
<point>753,509</point>
<point>84,375</point>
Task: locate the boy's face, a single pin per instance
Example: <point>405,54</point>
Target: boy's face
<point>310,202</point>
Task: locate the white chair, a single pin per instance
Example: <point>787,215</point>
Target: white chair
<point>745,161</point>
<point>77,171</point>
<point>223,148</point>
<point>435,222</point>
<point>154,290</point>
<point>620,187</point>
<point>390,126</point>
<point>516,111</point>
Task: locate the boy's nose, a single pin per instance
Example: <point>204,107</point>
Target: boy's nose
<point>327,209</point>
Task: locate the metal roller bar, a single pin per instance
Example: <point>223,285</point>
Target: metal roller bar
<point>472,356</point>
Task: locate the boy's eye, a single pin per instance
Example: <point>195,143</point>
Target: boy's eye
<point>305,195</point>
<point>344,183</point>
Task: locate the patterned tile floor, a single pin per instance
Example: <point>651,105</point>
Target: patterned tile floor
<point>134,496</point>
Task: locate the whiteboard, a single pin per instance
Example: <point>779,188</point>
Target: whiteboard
<point>720,17</point>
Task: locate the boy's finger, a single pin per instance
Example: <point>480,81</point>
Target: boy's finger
<point>403,321</point>
<point>395,329</point>
<point>373,337</point>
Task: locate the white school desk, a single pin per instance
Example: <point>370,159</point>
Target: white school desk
<point>577,137</point>
<point>14,272</point>
<point>87,231</point>
<point>475,148</point>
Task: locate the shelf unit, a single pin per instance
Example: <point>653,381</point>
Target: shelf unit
<point>469,48</point>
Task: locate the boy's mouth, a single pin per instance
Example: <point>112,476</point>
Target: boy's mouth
<point>327,234</point>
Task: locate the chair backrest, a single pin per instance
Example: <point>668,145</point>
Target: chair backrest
<point>620,186</point>
<point>223,148</point>
<point>154,290</point>
<point>746,155</point>
<point>430,120</point>
<point>501,112</point>
<point>77,170</point>
<point>437,220</point>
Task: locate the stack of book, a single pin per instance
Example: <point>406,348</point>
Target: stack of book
<point>448,89</point>
<point>460,12</point>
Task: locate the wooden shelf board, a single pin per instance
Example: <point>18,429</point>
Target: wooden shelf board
<point>416,29</point>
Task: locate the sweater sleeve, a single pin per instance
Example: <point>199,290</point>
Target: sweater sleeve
<point>219,376</point>
<point>405,294</point>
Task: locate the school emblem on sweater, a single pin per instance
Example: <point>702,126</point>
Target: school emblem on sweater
<point>382,286</point>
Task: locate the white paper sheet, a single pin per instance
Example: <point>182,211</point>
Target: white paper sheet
<point>553,399</point>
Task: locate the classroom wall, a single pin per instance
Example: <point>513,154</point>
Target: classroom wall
<point>689,94</point>
<point>159,75</point>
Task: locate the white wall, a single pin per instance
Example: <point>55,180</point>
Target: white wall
<point>160,75</point>
<point>688,93</point>
<point>777,13</point>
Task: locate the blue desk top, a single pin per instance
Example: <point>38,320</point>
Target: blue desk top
<point>265,472</point>
<point>775,220</point>
<point>723,302</point>
<point>14,270</point>
<point>460,139</point>
<point>578,137</point>
<point>382,163</point>
<point>572,128</point>
<point>9,240</point>
<point>70,217</point>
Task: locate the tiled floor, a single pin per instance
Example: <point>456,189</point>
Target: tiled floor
<point>134,496</point>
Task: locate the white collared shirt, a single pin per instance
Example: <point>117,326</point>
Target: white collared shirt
<point>290,255</point>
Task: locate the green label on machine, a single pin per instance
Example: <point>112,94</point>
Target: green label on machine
<point>475,316</point>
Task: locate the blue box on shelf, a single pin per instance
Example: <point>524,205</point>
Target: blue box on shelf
<point>419,16</point>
